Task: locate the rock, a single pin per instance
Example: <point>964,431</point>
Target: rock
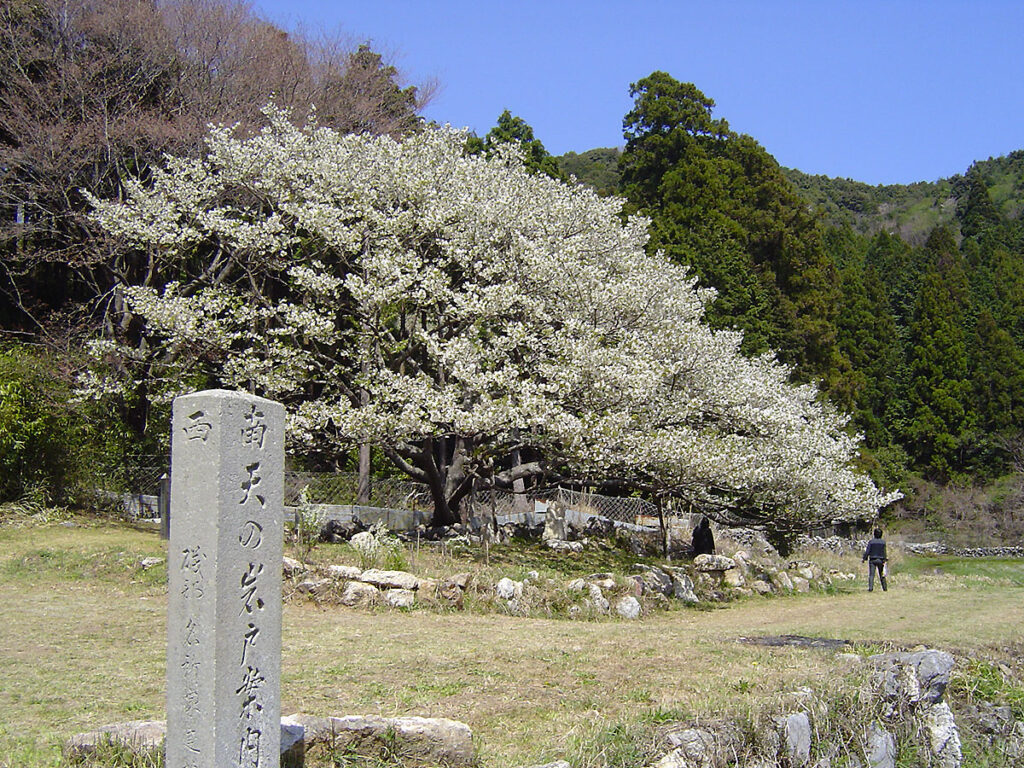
<point>800,584</point>
<point>291,567</point>
<point>781,580</point>
<point>316,730</point>
<point>919,676</point>
<point>145,739</point>
<point>702,747</point>
<point>880,747</point>
<point>430,740</point>
<point>293,745</point>
<point>797,733</point>
<point>682,585</point>
<point>656,580</point>
<point>427,587</point>
<point>358,593</point>
<point>454,587</point>
<point>314,586</point>
<point>988,718</point>
<point>761,587</point>
<point>628,607</point>
<point>531,576</point>
<point>576,585</point>
<point>338,530</point>
<point>805,573</point>
<point>708,563</point>
<point>734,579</point>
<point>140,737</point>
<point>150,562</point>
<point>508,589</point>
<point>597,598</point>
<point>345,572</point>
<point>943,736</point>
<point>603,580</point>
<point>560,545</point>
<point>399,598</point>
<point>555,528</point>
<point>390,579</point>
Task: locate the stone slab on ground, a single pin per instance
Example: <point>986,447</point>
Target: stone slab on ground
<point>145,738</point>
<point>431,740</point>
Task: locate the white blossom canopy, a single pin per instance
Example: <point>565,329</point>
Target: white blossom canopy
<point>399,291</point>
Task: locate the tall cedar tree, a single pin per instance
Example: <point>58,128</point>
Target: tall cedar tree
<point>939,395</point>
<point>720,203</point>
<point>514,130</point>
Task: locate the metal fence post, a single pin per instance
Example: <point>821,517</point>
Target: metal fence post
<point>164,505</point>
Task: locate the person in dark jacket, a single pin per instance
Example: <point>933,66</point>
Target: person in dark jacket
<point>703,539</point>
<point>875,557</point>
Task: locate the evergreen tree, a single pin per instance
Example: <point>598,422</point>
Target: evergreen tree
<point>939,389</point>
<point>868,339</point>
<point>720,204</point>
<point>997,376</point>
<point>515,130</point>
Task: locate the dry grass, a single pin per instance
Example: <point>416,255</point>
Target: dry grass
<point>82,644</point>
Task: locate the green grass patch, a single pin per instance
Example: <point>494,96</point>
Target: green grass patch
<point>1004,571</point>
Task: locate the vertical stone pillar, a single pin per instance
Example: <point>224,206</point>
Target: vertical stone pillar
<point>224,582</point>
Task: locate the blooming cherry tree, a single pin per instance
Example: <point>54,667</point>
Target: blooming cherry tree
<point>456,310</point>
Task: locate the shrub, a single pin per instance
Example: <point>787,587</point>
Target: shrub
<point>37,440</point>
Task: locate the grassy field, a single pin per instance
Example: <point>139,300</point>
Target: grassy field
<point>82,644</point>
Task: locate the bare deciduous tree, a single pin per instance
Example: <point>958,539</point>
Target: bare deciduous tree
<point>93,91</point>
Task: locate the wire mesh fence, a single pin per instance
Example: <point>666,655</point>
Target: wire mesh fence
<point>342,488</point>
<point>137,488</point>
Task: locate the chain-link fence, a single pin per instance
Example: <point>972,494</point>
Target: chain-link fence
<point>142,485</point>
<point>342,488</point>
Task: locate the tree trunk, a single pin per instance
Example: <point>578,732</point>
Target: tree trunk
<point>363,488</point>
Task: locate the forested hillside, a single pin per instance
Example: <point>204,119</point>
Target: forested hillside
<point>905,301</point>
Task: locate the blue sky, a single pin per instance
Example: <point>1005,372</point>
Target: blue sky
<point>881,92</point>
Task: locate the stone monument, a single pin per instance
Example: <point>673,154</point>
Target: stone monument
<point>224,581</point>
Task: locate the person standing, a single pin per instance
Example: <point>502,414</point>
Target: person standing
<point>703,538</point>
<point>876,558</point>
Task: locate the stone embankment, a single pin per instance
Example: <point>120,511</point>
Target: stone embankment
<point>901,710</point>
<point>709,578</point>
<point>935,548</point>
<point>841,546</point>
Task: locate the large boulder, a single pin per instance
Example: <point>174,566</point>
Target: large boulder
<point>655,580</point>
<point>710,563</point>
<point>145,739</point>
<point>429,740</point>
<point>555,528</point>
<point>880,747</point>
<point>919,677</point>
<point>141,737</point>
<point>390,579</point>
<point>358,593</point>
<point>796,730</point>
<point>507,589</point>
<point>344,572</point>
<point>943,736</point>
<point>628,607</point>
<point>682,585</point>
<point>399,598</point>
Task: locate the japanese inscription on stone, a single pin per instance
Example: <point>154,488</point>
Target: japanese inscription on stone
<point>224,610</point>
